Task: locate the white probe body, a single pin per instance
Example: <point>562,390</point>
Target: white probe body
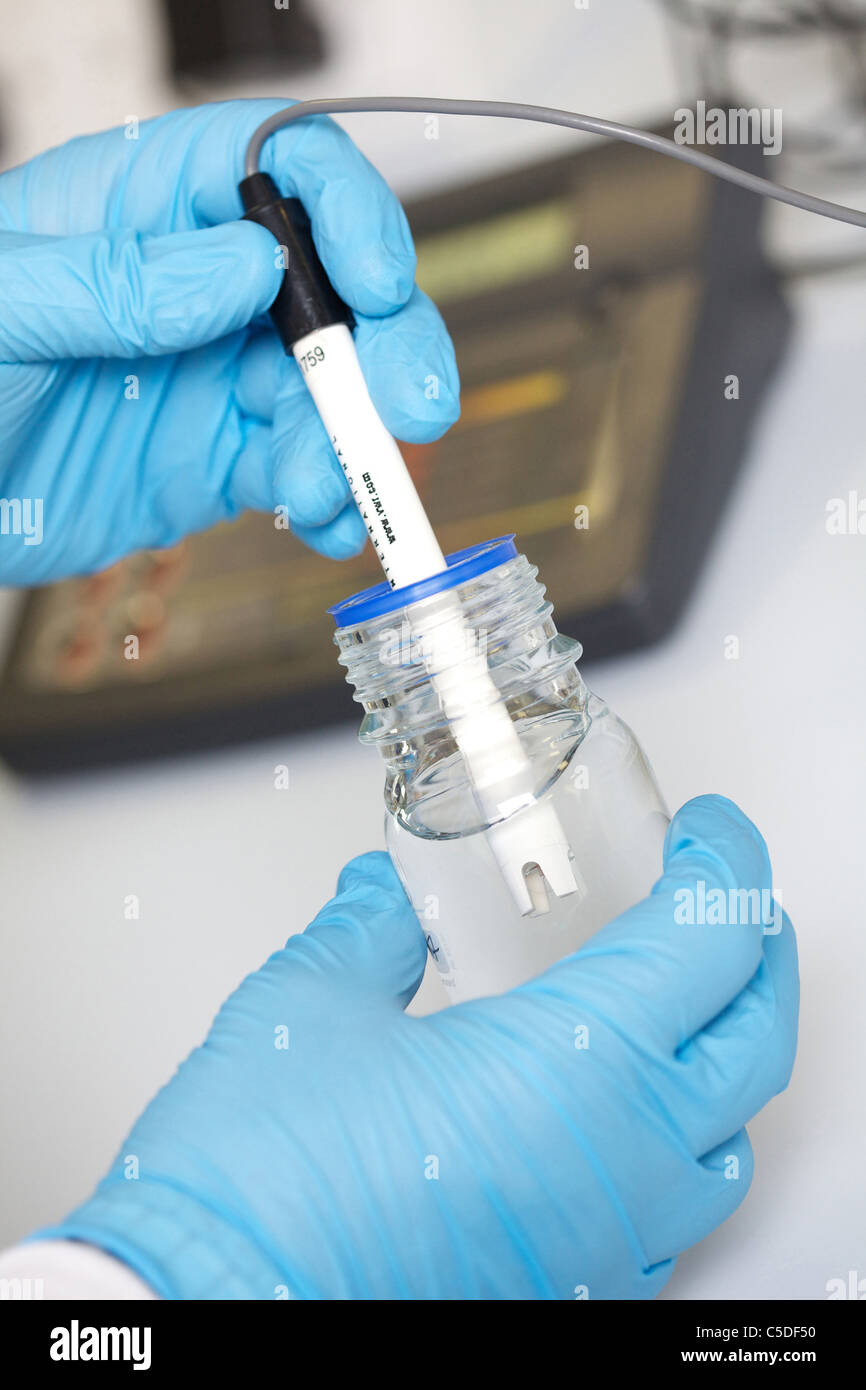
<point>530,845</point>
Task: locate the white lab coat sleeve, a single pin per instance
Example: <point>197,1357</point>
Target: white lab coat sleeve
<point>57,1269</point>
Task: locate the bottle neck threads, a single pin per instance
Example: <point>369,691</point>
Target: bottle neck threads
<point>399,662</point>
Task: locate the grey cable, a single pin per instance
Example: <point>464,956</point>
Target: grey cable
<point>551,116</point>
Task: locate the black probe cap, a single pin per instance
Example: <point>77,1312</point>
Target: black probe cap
<point>306,300</point>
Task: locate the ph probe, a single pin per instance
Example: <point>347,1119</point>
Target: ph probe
<point>315,326</point>
<point>526,837</point>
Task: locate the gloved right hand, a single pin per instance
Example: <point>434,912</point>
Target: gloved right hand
<point>567,1139</point>
<point>143,394</point>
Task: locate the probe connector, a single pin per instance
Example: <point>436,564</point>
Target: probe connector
<point>307,300</point>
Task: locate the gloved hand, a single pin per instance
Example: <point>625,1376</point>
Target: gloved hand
<point>143,395</point>
<point>476,1153</point>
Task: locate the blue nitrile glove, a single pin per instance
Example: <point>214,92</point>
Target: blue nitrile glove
<point>143,395</point>
<point>567,1139</point>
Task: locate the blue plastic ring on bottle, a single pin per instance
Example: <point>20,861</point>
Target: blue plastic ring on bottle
<point>462,565</point>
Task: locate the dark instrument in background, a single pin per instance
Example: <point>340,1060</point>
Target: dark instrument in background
<point>228,40</point>
<point>592,394</point>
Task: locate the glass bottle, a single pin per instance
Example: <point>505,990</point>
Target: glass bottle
<point>579,758</point>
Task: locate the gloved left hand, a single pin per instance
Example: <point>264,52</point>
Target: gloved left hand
<point>142,393</point>
<point>321,1143</point>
